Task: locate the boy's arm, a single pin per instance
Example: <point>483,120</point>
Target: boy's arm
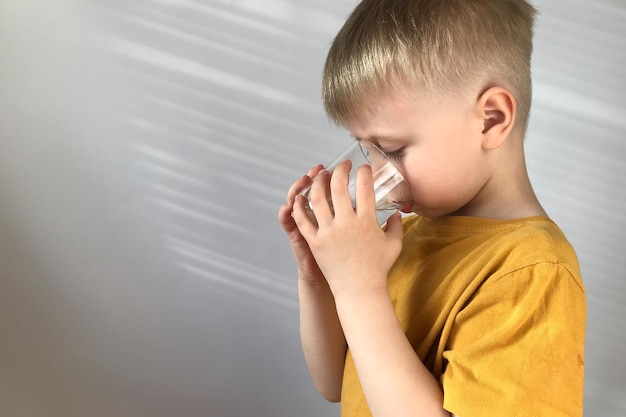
<point>355,255</point>
<point>394,380</point>
<point>323,343</point>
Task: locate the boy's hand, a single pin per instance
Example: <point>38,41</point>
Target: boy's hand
<point>307,267</point>
<point>351,249</point>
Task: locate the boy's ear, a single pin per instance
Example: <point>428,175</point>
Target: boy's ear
<point>497,108</point>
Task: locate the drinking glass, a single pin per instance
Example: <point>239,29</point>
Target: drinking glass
<point>390,189</point>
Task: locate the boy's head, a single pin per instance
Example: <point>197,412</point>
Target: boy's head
<point>440,46</point>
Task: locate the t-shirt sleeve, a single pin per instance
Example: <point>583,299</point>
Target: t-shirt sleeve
<point>517,347</point>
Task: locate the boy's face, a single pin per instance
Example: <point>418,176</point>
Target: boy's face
<point>436,144</point>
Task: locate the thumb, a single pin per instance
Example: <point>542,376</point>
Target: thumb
<point>394,227</point>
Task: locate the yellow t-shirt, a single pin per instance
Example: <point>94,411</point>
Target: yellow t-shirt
<point>495,310</point>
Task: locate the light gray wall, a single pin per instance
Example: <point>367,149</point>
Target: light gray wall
<point>145,147</point>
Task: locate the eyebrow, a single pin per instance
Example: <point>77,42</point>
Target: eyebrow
<point>376,139</point>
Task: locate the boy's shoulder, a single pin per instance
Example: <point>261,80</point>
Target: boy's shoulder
<point>516,243</point>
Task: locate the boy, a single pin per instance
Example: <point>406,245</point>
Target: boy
<point>474,306</point>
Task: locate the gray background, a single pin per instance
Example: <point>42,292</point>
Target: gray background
<point>145,147</point>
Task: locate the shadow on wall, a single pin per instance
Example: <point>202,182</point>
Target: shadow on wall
<point>152,147</point>
<point>219,101</point>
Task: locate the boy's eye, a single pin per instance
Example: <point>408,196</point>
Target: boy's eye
<point>393,155</point>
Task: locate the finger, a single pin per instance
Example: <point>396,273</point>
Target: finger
<point>303,222</point>
<point>297,187</point>
<point>319,197</point>
<point>339,183</point>
<point>303,183</point>
<point>308,179</point>
<point>394,233</point>
<point>285,218</point>
<point>288,223</point>
<point>315,170</point>
<point>365,198</point>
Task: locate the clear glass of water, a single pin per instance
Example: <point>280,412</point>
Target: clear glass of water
<point>391,191</point>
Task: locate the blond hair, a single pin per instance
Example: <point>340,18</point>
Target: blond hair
<point>386,46</point>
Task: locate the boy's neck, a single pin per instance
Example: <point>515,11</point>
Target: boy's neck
<point>508,194</point>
